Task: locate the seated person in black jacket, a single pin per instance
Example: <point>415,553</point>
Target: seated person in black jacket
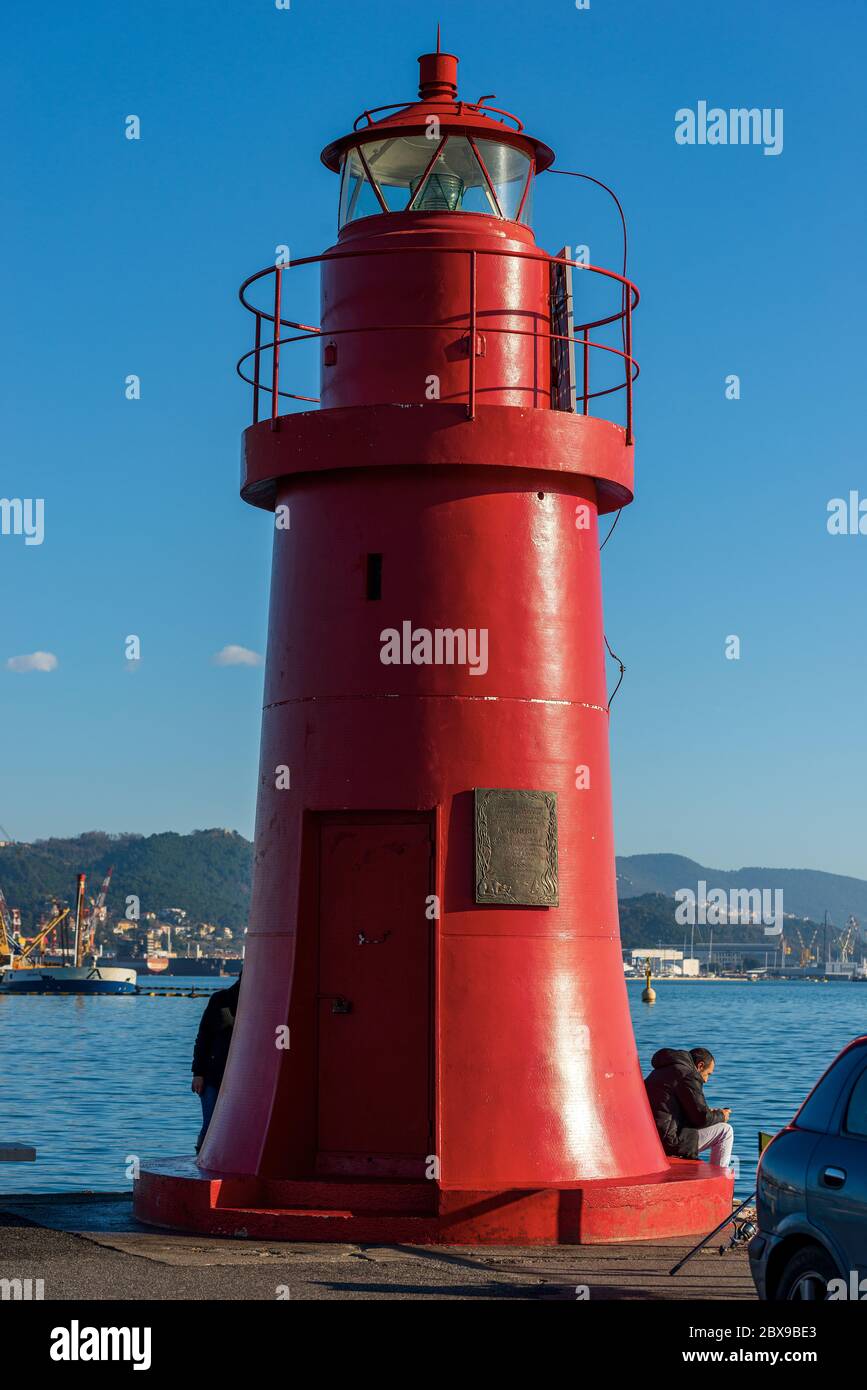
<point>687,1126</point>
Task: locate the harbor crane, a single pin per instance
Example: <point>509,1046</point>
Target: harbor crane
<point>16,952</point>
<point>20,954</point>
<point>94,916</point>
<point>806,953</point>
<point>854,927</point>
<point>847,941</point>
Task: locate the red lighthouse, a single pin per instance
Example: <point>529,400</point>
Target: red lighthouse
<point>433,1042</point>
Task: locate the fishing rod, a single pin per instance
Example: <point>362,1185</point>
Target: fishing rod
<point>745,1231</point>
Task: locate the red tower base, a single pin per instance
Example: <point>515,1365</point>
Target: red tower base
<point>689,1201</point>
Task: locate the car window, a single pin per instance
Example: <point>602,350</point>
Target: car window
<point>856,1112</point>
<point>819,1106</point>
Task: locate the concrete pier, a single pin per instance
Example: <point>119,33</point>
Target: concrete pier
<point>89,1246</point>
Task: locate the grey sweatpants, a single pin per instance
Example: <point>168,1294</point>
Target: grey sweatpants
<point>720,1140</point>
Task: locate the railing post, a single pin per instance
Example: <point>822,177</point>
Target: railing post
<point>275,362</point>
<point>471,402</point>
<point>586,342</point>
<point>256,351</point>
<point>628,364</point>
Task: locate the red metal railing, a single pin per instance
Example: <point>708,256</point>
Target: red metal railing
<point>304,331</point>
<point>449,104</point>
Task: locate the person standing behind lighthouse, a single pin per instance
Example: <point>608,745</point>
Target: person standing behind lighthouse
<point>211,1050</point>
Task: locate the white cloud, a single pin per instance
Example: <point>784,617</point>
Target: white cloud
<point>33,661</point>
<point>237,656</point>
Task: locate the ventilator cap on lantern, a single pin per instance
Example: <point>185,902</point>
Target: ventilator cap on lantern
<point>438,74</point>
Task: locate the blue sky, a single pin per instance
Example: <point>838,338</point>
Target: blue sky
<point>124,257</point>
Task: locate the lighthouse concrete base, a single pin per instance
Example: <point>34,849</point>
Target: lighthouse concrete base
<point>689,1199</point>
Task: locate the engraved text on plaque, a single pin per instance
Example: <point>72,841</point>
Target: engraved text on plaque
<point>516,847</point>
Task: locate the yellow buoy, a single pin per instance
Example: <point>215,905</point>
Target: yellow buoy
<point>648,994</point>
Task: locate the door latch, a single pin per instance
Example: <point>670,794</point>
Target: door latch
<point>372,940</point>
<point>834,1177</point>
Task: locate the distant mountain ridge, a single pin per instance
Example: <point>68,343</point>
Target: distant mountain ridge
<point>208,874</point>
<point>806,892</point>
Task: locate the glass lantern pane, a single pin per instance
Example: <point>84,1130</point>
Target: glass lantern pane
<point>398,165</point>
<point>357,196</point>
<point>508,169</point>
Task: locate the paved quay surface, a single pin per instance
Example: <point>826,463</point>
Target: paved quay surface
<point>89,1246</point>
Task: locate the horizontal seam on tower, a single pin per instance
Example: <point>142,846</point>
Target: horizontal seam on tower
<point>478,699</point>
<point>555,934</point>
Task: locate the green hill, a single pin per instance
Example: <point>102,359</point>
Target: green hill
<point>207,873</point>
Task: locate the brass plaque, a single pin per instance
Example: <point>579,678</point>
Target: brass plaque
<point>516,847</point>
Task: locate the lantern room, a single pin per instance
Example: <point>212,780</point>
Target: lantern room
<point>462,175</point>
<point>438,154</point>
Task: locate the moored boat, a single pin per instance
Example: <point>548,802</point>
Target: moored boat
<point>69,979</point>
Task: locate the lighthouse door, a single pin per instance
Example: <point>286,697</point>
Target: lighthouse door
<point>375,992</point>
